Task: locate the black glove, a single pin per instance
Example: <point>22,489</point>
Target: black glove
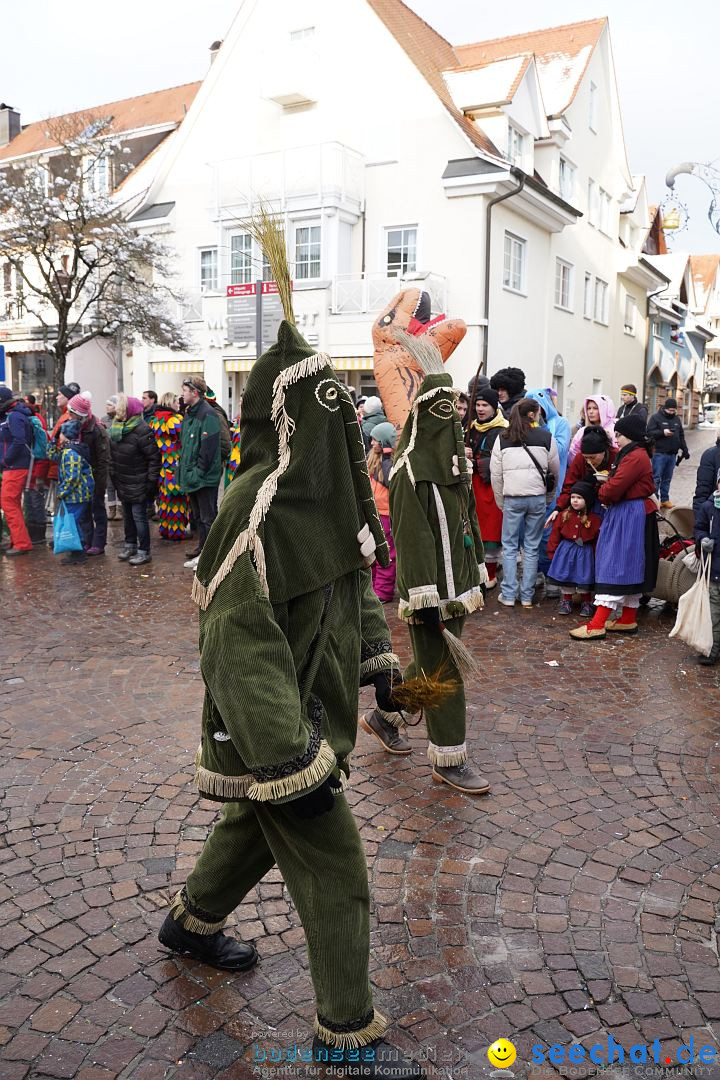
<point>315,803</point>
<point>384,682</point>
<point>428,616</point>
<point>686,455</point>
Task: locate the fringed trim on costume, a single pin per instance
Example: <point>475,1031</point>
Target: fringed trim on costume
<point>341,783</point>
<point>314,773</point>
<point>348,1039</point>
<point>217,784</point>
<point>382,662</point>
<point>203,594</point>
<point>404,460</point>
<point>469,601</point>
<point>424,596</point>
<point>191,922</point>
<point>447,755</point>
<point>394,719</point>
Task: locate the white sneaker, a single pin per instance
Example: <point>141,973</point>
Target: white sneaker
<point>192,563</point>
<point>505,603</point>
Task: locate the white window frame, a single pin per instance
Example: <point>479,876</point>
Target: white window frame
<point>593,203</point>
<point>212,285</point>
<point>241,259</point>
<point>307,268</point>
<point>516,141</point>
<point>605,204</point>
<point>656,328</point>
<point>588,296</point>
<point>564,280</point>
<point>512,245</point>
<point>630,315</point>
<point>40,178</point>
<point>406,246</point>
<point>566,179</point>
<point>593,108</point>
<point>601,302</point>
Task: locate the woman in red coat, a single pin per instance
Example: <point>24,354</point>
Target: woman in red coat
<point>626,558</point>
<point>488,423</point>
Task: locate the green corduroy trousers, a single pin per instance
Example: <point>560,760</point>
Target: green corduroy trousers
<point>323,863</point>
<point>446,724</point>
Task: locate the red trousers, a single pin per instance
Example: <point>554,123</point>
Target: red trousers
<point>13,485</point>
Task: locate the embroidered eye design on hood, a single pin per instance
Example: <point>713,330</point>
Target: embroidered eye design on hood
<point>442,410</point>
<point>328,393</point>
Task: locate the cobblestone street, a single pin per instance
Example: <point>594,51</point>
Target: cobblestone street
<point>578,900</point>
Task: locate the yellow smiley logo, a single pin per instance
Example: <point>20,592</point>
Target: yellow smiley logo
<point>502,1053</point>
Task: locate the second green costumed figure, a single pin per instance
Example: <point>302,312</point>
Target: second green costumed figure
<point>440,557</point>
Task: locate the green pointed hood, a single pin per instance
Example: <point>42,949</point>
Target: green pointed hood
<point>431,446</point>
<point>301,501</point>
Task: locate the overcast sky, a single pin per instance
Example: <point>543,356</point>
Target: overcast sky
<point>63,56</point>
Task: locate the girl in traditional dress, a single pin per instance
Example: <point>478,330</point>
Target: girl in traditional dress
<point>572,549</point>
<point>626,557</point>
<point>482,432</point>
<point>172,505</point>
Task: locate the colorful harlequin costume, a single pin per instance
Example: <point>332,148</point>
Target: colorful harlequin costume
<point>171,503</point>
<point>289,627</point>
<point>234,459</point>
<point>440,557</point>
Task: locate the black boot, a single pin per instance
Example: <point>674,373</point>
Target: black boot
<point>216,949</point>
<point>708,661</point>
<point>377,1061</point>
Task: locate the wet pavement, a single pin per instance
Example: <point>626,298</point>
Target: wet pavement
<point>579,900</point>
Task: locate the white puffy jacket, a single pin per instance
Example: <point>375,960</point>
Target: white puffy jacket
<point>513,473</point>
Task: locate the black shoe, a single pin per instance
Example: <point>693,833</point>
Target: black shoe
<point>216,949</point>
<point>378,1061</point>
<point>709,661</point>
<point>192,554</point>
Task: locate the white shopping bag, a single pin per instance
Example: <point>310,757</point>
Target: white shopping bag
<point>694,622</point>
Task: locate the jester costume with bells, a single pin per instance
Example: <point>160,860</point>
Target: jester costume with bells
<point>440,558</point>
<point>289,628</point>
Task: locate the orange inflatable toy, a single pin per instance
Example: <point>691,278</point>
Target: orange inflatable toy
<point>397,373</point>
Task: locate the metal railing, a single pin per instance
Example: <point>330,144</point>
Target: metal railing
<point>356,294</point>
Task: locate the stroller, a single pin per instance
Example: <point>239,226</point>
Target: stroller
<point>674,577</point>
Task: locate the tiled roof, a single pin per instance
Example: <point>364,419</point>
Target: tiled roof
<point>562,54</point>
<point>704,270</point>
<point>495,83</point>
<point>431,54</point>
<point>146,111</point>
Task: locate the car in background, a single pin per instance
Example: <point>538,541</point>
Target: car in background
<point>709,415</point>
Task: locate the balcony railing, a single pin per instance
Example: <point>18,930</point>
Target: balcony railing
<point>356,294</point>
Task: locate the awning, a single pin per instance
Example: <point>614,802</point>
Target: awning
<point>239,365</point>
<point>340,363</point>
<point>178,365</point>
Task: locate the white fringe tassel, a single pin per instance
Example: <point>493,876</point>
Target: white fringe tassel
<point>382,662</point>
<point>351,1040</point>
<point>317,770</point>
<point>447,756</point>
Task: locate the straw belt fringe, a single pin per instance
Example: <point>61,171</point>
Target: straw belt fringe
<point>404,460</point>
<point>382,662</point>
<point>316,771</point>
<point>395,719</point>
<point>190,922</point>
<point>350,1040</point>
<point>447,756</point>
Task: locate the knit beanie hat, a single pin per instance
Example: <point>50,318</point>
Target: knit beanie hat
<point>112,400</point>
<point>670,403</point>
<point>489,395</point>
<point>595,440</point>
<point>629,388</point>
<point>511,379</point>
<point>632,427</point>
<point>6,394</point>
<point>70,429</point>
<point>70,389</point>
<point>385,434</point>
<point>476,384</point>
<point>134,407</point>
<point>371,406</point>
<point>588,492</point>
<point>79,406</point>
<point>300,440</point>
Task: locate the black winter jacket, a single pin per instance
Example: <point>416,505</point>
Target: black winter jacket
<point>95,437</point>
<point>667,444</point>
<point>635,408</point>
<point>707,476</point>
<point>135,464</point>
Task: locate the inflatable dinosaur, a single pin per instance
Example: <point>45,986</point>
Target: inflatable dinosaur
<point>397,374</point>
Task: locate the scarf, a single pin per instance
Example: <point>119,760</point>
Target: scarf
<point>120,428</point>
<point>498,421</point>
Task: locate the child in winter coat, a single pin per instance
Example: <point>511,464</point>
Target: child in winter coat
<point>572,548</point>
<point>75,486</point>
<point>707,537</point>
<point>382,443</point>
<point>598,411</point>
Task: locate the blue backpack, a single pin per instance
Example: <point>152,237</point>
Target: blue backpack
<point>39,444</point>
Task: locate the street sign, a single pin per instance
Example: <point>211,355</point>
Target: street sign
<point>2,363</point>
<point>242,302</point>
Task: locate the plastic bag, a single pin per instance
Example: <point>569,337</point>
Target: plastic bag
<point>65,532</point>
<point>694,621</point>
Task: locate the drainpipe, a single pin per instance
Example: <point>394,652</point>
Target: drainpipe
<point>488,236</point>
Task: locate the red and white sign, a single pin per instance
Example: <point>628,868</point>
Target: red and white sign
<point>268,288</point>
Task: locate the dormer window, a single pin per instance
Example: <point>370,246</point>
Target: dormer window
<point>566,180</point>
<point>515,146</point>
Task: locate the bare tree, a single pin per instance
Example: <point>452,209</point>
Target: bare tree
<point>82,270</point>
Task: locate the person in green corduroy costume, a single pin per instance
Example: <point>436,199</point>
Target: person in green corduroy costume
<point>289,627</point>
<point>440,557</point>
